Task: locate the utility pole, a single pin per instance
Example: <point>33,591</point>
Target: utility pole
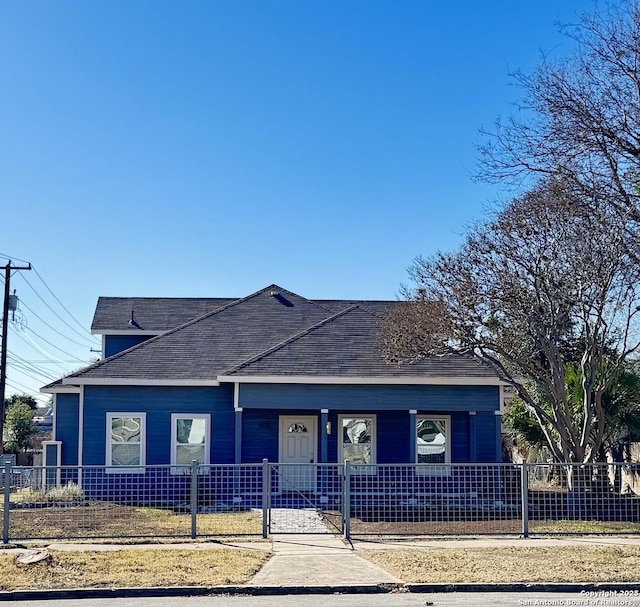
<point>5,333</point>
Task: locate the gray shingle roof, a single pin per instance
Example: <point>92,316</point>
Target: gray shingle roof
<point>345,345</point>
<point>202,348</point>
<point>272,332</point>
<point>151,313</point>
<point>159,314</point>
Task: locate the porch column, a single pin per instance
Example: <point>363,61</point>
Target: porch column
<point>413,428</point>
<point>473,456</point>
<point>324,438</point>
<point>238,435</point>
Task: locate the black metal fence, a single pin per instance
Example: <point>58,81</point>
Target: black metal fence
<point>260,499</point>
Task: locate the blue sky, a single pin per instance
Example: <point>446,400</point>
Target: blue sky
<point>210,148</point>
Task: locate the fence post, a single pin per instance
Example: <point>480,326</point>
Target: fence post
<point>194,498</point>
<point>346,501</point>
<point>524,492</point>
<point>266,493</point>
<point>7,493</point>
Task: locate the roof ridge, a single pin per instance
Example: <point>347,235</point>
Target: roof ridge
<point>368,309</point>
<point>294,337</point>
<point>152,299</point>
<point>311,301</point>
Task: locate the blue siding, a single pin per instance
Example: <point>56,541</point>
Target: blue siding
<point>390,404</point>
<point>159,403</point>
<point>460,437</point>
<point>369,398</point>
<point>66,430</point>
<point>259,435</point>
<point>117,343</point>
<point>393,435</point>
<point>486,437</point>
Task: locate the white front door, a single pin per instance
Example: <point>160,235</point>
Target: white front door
<point>298,445</point>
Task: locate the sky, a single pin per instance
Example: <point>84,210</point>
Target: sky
<point>211,148</point>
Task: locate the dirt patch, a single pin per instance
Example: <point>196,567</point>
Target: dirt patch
<point>104,519</point>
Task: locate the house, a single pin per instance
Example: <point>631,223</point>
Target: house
<point>272,375</point>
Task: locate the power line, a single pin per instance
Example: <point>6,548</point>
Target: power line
<point>24,365</point>
<point>62,305</point>
<point>54,312</point>
<point>28,372</point>
<point>38,349</point>
<point>77,343</point>
<point>10,257</point>
<point>46,362</point>
<point>53,345</point>
<point>22,387</point>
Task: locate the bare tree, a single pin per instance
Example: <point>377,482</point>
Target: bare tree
<point>580,117</point>
<point>542,285</point>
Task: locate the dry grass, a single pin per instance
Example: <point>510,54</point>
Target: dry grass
<point>480,527</point>
<point>568,527</point>
<point>112,520</point>
<point>435,527</point>
<point>129,568</point>
<point>511,564</point>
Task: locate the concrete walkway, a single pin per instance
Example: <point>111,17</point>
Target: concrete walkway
<point>317,560</point>
<point>302,520</point>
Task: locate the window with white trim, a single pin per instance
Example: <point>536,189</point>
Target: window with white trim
<point>358,446</point>
<point>190,439</point>
<point>126,442</point>
<point>433,443</point>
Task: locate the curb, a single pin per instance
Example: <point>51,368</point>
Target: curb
<point>182,591</point>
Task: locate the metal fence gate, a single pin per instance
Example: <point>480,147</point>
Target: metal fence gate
<point>305,498</point>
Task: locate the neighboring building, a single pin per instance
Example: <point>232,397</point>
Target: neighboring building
<point>43,419</point>
<point>272,375</point>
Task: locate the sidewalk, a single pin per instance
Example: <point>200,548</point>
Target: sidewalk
<point>324,563</point>
<point>317,560</point>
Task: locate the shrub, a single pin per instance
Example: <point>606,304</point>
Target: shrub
<point>66,493</point>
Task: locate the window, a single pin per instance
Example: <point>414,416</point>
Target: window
<point>358,442</point>
<point>126,442</point>
<point>189,440</point>
<point>433,445</point>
